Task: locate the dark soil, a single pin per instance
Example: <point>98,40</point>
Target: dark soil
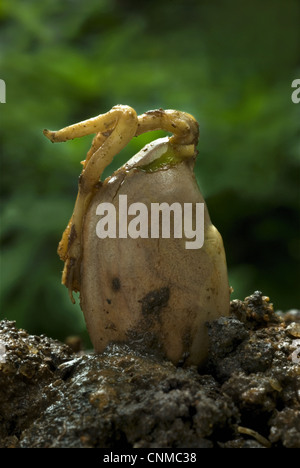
<point>247,396</point>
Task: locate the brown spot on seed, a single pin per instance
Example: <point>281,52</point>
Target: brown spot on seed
<point>110,326</point>
<point>116,285</point>
<point>72,235</point>
<point>155,300</point>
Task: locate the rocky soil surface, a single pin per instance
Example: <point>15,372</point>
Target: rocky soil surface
<point>248,395</point>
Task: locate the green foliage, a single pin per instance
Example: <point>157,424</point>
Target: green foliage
<point>230,64</point>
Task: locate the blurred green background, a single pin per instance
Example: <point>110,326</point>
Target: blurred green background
<point>229,63</point>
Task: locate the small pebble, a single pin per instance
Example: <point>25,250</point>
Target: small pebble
<point>294,329</point>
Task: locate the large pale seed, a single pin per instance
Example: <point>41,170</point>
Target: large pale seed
<point>153,293</point>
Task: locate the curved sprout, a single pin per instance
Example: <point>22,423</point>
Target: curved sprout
<point>114,130</point>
